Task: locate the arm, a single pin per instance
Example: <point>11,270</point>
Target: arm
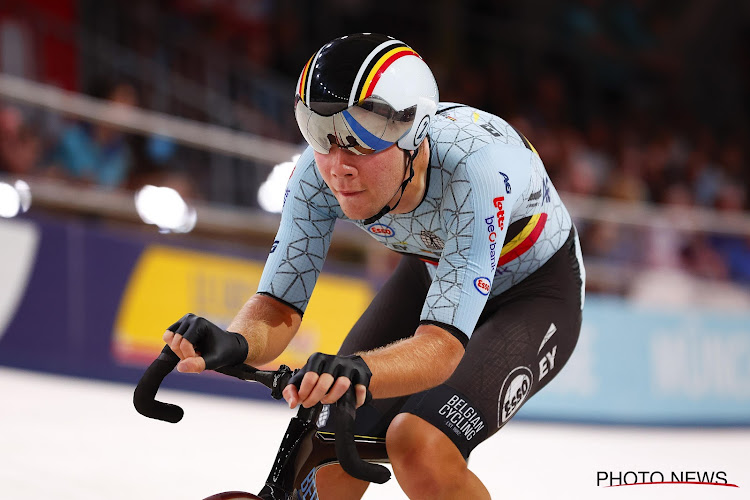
<point>413,364</point>
<point>408,366</point>
<point>267,325</point>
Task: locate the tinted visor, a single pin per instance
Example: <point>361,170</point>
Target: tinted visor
<point>369,126</point>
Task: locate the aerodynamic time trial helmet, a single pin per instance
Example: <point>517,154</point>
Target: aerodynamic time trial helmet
<point>365,92</point>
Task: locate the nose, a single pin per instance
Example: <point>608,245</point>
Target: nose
<point>341,164</point>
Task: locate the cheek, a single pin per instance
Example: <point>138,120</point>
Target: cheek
<point>390,171</point>
<point>387,176</point>
<point>323,167</point>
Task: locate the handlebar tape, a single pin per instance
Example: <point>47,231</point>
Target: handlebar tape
<point>346,449</point>
<point>144,397</point>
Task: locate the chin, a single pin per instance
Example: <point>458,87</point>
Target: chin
<point>356,213</point>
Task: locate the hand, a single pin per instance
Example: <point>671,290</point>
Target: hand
<point>215,347</point>
<point>325,378</point>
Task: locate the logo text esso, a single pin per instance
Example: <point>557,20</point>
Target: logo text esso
<point>498,203</point>
<point>516,389</point>
<point>482,284</point>
<point>382,230</point>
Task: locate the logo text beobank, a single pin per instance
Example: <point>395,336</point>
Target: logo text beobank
<point>382,230</point>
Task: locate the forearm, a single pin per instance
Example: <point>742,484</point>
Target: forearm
<point>267,325</point>
<point>414,364</point>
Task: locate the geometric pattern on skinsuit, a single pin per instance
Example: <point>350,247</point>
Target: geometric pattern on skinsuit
<point>476,158</point>
<point>304,236</point>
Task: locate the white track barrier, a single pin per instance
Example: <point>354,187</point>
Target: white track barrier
<point>271,152</point>
<point>135,120</point>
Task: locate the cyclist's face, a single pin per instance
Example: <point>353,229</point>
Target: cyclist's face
<point>362,184</point>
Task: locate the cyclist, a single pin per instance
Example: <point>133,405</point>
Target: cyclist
<point>485,306</point>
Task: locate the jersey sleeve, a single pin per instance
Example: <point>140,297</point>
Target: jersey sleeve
<point>476,212</point>
<point>303,238</point>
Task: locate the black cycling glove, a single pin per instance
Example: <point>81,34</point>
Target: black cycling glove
<point>217,347</point>
<point>352,367</point>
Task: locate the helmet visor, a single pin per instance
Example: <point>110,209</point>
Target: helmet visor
<point>369,126</point>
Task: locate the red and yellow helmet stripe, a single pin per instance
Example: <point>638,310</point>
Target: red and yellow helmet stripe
<point>371,80</point>
<point>303,78</point>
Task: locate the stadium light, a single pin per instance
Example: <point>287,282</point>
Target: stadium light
<point>271,193</point>
<point>165,208</point>
<point>14,199</point>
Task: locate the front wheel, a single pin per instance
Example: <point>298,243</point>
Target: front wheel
<point>233,495</point>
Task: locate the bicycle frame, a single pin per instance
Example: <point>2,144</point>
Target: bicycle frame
<point>304,449</point>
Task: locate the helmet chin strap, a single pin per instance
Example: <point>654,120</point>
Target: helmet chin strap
<point>386,209</point>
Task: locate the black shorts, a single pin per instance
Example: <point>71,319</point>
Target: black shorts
<point>522,340</point>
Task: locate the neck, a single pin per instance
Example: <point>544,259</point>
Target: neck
<point>415,190</point>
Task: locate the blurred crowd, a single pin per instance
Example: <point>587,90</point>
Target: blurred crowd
<point>40,143</point>
<point>635,100</point>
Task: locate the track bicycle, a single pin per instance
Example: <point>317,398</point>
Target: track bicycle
<point>304,448</point>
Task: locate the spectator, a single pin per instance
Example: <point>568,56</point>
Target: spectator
<point>735,250</point>
<point>19,145</point>
<point>96,153</point>
<point>666,242</point>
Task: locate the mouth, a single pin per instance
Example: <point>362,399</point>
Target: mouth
<point>348,194</point>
